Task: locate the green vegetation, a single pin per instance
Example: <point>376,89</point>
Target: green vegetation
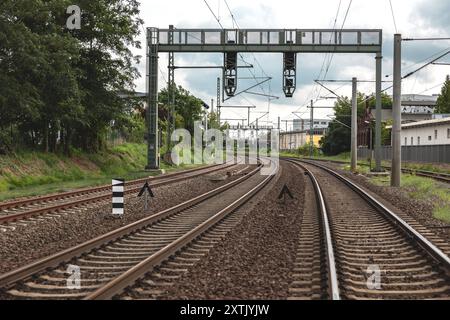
<point>303,151</point>
<point>60,87</point>
<point>64,90</point>
<point>337,139</point>
<point>359,168</point>
<point>424,189</point>
<point>35,173</point>
<point>32,169</point>
<point>442,213</point>
<point>443,101</point>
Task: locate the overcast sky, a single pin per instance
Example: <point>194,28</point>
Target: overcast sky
<point>413,18</point>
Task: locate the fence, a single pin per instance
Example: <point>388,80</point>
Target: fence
<point>431,153</point>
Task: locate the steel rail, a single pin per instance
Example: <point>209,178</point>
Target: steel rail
<point>440,176</point>
<point>62,195</point>
<point>76,203</point>
<point>54,260</point>
<point>424,243</point>
<point>119,283</point>
<point>333,284</point>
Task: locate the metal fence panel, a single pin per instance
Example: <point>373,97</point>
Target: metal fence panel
<point>429,153</point>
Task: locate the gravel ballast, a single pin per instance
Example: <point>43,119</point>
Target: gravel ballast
<point>40,238</point>
<point>255,258</point>
<point>398,199</point>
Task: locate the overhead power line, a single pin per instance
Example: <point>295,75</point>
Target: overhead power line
<point>431,88</point>
<point>314,88</point>
<point>393,16</point>
<point>220,24</point>
<point>234,21</point>
<point>424,39</point>
<point>215,17</point>
<point>332,55</point>
<point>425,65</point>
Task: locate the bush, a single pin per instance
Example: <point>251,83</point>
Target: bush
<point>305,151</point>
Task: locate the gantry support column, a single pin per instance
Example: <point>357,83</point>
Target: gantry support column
<point>152,108</point>
<point>171,93</point>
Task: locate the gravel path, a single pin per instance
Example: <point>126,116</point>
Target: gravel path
<point>255,259</point>
<point>43,238</point>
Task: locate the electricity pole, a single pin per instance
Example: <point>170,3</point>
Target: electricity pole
<point>378,61</point>
<point>354,130</point>
<point>218,100</point>
<point>311,131</point>
<point>396,169</point>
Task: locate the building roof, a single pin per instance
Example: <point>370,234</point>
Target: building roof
<point>425,123</point>
<point>419,97</point>
<point>418,100</point>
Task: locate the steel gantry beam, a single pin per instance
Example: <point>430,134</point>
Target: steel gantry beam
<point>232,41</point>
<point>271,40</point>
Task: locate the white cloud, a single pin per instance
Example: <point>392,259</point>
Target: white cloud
<point>409,16</point>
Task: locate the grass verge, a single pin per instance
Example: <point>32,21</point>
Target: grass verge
<point>345,157</point>
<point>36,173</point>
<point>424,189</point>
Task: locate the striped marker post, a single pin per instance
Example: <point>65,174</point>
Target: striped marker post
<point>117,196</point>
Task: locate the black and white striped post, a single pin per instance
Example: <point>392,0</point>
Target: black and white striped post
<point>118,186</point>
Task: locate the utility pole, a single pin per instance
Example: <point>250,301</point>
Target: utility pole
<point>311,130</point>
<point>396,166</point>
<point>218,100</point>
<point>286,126</point>
<point>278,123</point>
<point>354,137</point>
<point>286,131</point>
<point>379,60</point>
<point>206,120</point>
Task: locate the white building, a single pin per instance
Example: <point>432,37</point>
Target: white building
<point>428,132</point>
<point>415,107</point>
<point>300,124</point>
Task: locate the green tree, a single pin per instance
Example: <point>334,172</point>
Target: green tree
<point>188,108</point>
<point>59,87</point>
<point>337,139</point>
<point>107,33</point>
<point>443,101</point>
<point>386,101</point>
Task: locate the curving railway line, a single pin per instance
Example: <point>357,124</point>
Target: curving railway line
<point>353,247</point>
<point>350,246</point>
<point>114,261</point>
<point>13,211</point>
<point>439,176</point>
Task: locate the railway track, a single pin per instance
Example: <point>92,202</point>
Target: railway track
<point>439,176</point>
<point>114,261</point>
<point>365,251</point>
<point>29,208</point>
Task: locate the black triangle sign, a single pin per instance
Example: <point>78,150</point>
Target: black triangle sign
<point>146,187</point>
<point>285,190</point>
